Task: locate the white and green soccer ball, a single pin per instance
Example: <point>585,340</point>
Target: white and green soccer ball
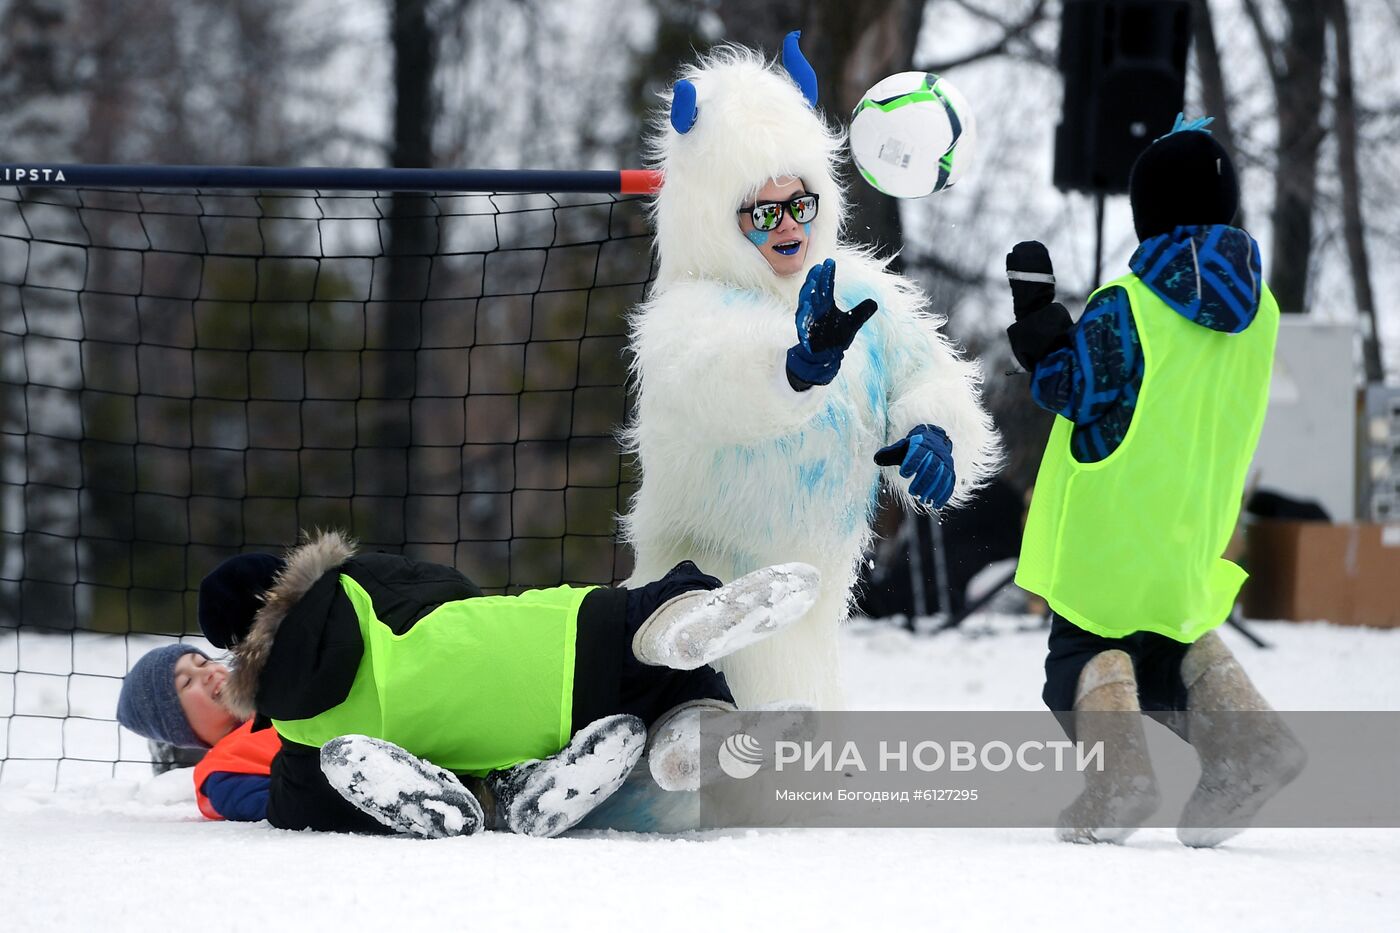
<point>912,134</point>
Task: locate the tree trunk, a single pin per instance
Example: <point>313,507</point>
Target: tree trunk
<point>37,53</point>
<point>1214,94</point>
<point>1353,227</point>
<point>412,234</point>
<point>1297,74</point>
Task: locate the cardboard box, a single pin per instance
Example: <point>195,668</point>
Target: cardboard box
<point>1347,574</point>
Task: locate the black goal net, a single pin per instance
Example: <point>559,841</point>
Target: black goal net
<point>185,375</point>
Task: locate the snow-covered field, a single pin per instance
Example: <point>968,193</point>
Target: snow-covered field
<point>119,855</point>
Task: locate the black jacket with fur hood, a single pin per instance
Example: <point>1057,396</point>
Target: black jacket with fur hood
<point>301,653</point>
<point>300,656</point>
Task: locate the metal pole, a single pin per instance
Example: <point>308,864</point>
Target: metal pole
<point>38,175</point>
<point>940,568</point>
<point>918,599</point>
<point>1098,239</point>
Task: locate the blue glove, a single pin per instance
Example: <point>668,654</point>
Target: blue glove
<point>824,331</point>
<point>926,454</point>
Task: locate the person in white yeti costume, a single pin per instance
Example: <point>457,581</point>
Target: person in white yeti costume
<point>762,402</point>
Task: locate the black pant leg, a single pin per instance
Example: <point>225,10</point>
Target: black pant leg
<point>1070,648</point>
<point>1158,663</point>
<point>683,578</point>
<point>300,797</point>
<point>608,678</point>
<point>648,691</point>
<point>1156,668</point>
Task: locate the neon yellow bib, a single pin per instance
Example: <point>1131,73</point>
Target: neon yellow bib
<point>1134,542</point>
<point>476,684</point>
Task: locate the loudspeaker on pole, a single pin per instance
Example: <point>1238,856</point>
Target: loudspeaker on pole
<point>1124,68</point>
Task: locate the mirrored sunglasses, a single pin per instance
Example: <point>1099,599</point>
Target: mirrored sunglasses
<point>768,214</point>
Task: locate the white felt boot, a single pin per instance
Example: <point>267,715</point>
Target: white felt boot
<point>701,626</point>
<point>673,752</point>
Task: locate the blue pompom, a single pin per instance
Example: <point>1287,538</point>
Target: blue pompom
<point>1183,125</point>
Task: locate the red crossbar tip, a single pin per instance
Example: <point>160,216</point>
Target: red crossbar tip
<point>640,181</point>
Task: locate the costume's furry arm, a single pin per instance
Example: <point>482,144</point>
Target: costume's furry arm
<point>710,362</point>
<point>930,383</point>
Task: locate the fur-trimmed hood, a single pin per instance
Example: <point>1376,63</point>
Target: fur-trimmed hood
<point>305,564</point>
<point>753,125</point>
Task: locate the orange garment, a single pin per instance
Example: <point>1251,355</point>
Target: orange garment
<point>242,751</point>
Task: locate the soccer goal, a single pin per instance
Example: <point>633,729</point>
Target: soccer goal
<point>191,372</point>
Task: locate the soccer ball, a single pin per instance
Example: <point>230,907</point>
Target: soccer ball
<point>912,134</point>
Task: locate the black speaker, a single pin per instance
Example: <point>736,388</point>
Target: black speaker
<point>1124,66</point>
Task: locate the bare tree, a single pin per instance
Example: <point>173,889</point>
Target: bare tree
<point>1295,64</point>
<point>1353,225</point>
<point>1213,90</point>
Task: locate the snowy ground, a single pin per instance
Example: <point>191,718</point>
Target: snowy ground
<point>112,855</point>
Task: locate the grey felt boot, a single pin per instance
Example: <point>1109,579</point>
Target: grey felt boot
<point>1247,752</point>
<point>701,626</point>
<point>1121,797</point>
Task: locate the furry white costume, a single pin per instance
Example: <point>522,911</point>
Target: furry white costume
<point>738,469</point>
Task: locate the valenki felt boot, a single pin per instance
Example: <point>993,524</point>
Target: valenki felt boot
<point>701,626</point>
<point>1121,797</point>
<point>1248,754</point>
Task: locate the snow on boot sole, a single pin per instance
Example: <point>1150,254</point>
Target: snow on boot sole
<point>398,789</point>
<point>545,798</point>
<point>705,625</point>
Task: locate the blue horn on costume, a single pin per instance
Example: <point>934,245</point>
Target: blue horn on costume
<point>683,108</point>
<point>798,67</point>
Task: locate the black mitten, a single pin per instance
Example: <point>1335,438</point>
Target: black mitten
<point>1038,334</point>
<point>1042,324</point>
<point>1032,277</point>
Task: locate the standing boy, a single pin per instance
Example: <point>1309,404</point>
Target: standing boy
<point>1161,390</point>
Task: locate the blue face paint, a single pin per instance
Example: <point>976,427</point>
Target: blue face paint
<point>807,229</point>
<point>757,237</point>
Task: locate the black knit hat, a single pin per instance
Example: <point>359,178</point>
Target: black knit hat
<point>1184,178</point>
<point>232,594</point>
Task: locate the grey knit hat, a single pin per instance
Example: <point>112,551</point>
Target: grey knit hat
<point>149,705</point>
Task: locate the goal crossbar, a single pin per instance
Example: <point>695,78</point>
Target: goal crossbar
<point>623,181</point>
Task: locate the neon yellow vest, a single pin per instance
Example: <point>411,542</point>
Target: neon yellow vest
<point>1134,543</point>
<point>476,684</point>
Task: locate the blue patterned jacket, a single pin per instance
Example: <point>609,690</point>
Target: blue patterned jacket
<point>1208,275</point>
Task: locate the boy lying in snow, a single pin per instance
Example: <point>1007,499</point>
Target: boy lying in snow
<point>388,676</point>
<point>174,695</point>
